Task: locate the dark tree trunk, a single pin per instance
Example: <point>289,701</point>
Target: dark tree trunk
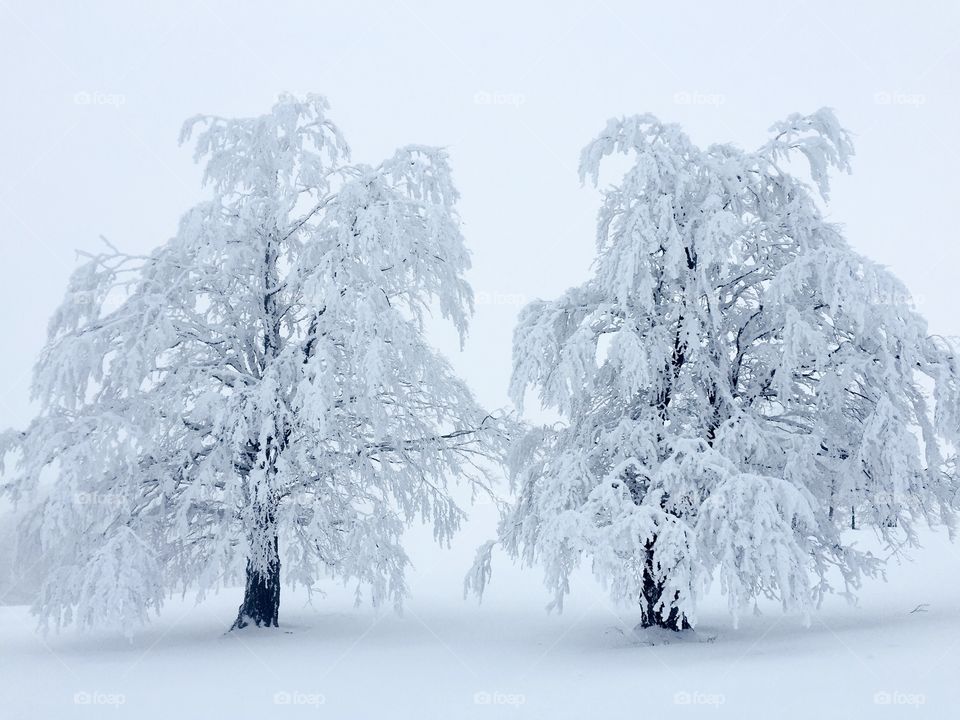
<point>261,596</point>
<point>651,614</point>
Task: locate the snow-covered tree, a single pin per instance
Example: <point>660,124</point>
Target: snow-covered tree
<point>734,382</point>
<point>259,382</point>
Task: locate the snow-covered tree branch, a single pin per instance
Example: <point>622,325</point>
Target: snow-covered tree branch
<point>259,382</point>
<point>737,384</point>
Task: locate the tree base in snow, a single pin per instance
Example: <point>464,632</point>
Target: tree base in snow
<point>674,622</point>
<point>656,635</point>
<point>244,621</point>
<point>261,598</point>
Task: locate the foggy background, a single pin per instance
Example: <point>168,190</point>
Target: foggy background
<point>95,93</point>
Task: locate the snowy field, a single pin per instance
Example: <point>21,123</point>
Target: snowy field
<point>447,658</point>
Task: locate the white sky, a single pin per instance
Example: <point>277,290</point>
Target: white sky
<point>94,94</point>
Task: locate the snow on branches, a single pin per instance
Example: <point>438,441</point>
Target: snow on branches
<point>736,384</point>
<point>260,381</point>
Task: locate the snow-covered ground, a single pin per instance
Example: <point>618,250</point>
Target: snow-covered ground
<point>450,658</point>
